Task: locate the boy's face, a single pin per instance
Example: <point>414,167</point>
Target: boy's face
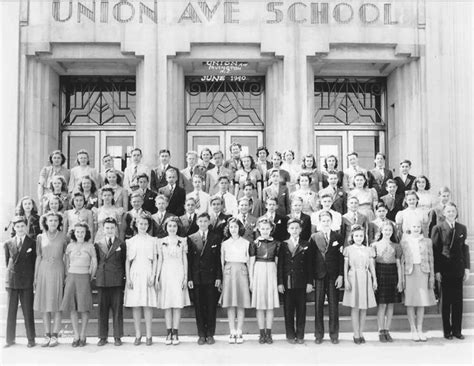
<point>161,204</point>
<point>216,206</point>
<point>190,207</point>
<point>243,207</point>
<point>223,185</point>
<point>405,168</point>
<point>109,229</point>
<point>352,205</point>
<point>332,180</point>
<point>218,159</point>
<point>235,151</point>
<point>191,160</point>
<point>391,188</point>
<point>445,197</point>
<point>137,203</point>
<point>108,162</point>
<point>171,177</point>
<point>203,223</point>
<point>325,222</point>
<point>143,184</point>
<point>294,229</point>
<point>136,157</point>
<point>352,160</point>
<point>296,206</point>
<point>271,206</point>
<point>197,183</point>
<point>326,202</point>
<point>276,160</point>
<point>275,178</point>
<point>262,155</point>
<point>164,158</point>
<point>382,212</point>
<point>20,228</point>
<point>379,161</point>
<point>450,213</point>
<point>248,191</point>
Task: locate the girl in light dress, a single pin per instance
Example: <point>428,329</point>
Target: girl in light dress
<point>426,202</point>
<point>367,196</point>
<point>49,275</point>
<point>56,168</point>
<point>89,189</point>
<point>330,165</point>
<point>308,166</point>
<point>105,210</point>
<point>309,196</point>
<point>81,170</point>
<point>291,167</point>
<point>172,278</point>
<point>113,179</point>
<point>411,214</point>
<point>235,287</point>
<point>57,188</point>
<point>140,273</point>
<point>360,280</point>
<point>77,214</point>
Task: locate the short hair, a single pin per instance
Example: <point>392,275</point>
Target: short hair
<point>289,151</point>
<point>381,204</point>
<point>277,154</point>
<point>110,220</point>
<point>199,176</point>
<point>234,220</point>
<point>77,194</point>
<point>205,149</point>
<point>352,198</point>
<point>106,156</point>
<point>325,213</point>
<point>83,225</point>
<point>273,171</point>
<point>164,151</point>
<point>405,161</point>
<point>142,216</point>
<point>93,185</point>
<point>82,151</point>
<point>203,215</point>
<point>353,153</point>
<point>192,152</point>
<point>63,183</point>
<point>218,153</point>
<point>391,181</point>
<point>293,221</point>
<point>326,195</point>
<point>355,228</point>
<point>249,184</point>
<point>190,199</point>
<point>20,211</point>
<point>241,199</point>
<point>252,162</point>
<point>304,174</point>
<point>333,172</point>
<point>172,170</point>
<point>136,149</point>
<point>216,198</point>
<point>223,177</point>
<point>174,219</point>
<point>19,218</point>
<point>427,186</point>
<point>143,176</point>
<point>326,161</point>
<point>47,206</point>
<point>380,154</point>
<point>366,184</point>
<point>136,195</point>
<point>57,152</point>
<point>271,198</point>
<point>444,190</point>
<point>262,148</point>
<point>450,204</point>
<point>44,220</point>
<point>235,144</point>
<point>110,190</point>
<point>296,198</point>
<point>162,197</point>
<point>308,156</point>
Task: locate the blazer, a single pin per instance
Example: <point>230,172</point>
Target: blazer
<point>305,228</point>
<point>295,270</point>
<point>176,200</point>
<point>159,227</point>
<point>212,176</point>
<point>148,201</point>
<point>250,227</point>
<point>33,227</point>
<point>394,204</point>
<point>327,259</point>
<point>204,259</point>
<point>283,198</point>
<point>426,255</point>
<point>347,223</point>
<point>187,178</point>
<point>451,253</point>
<point>256,207</point>
<point>377,181</point>
<point>219,226</point>
<point>110,263</point>
<point>403,187</point>
<point>280,232</point>
<point>188,227</point>
<point>339,197</point>
<point>284,176</point>
<point>20,263</point>
<point>158,178</point>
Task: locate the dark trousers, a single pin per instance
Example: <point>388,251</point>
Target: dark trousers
<point>25,297</point>
<point>294,301</point>
<point>110,298</point>
<point>326,286</point>
<point>451,304</point>
<point>205,305</point>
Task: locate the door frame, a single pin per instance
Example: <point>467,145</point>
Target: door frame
<point>379,133</point>
<point>65,144</point>
<point>343,134</point>
<point>192,134</point>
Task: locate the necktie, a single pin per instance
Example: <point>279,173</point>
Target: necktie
<point>355,218</point>
<point>218,170</point>
<point>244,218</point>
<point>326,235</point>
<point>223,202</point>
<point>197,200</point>
<point>171,190</point>
<point>20,243</point>
<point>203,239</point>
<point>160,216</point>
<point>135,171</point>
<point>191,171</point>
<point>109,244</point>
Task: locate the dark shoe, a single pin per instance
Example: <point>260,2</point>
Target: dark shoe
<point>8,344</point>
<point>117,342</point>
<point>75,343</point>
<point>54,341</point>
<point>268,336</point>
<point>334,341</point>
<point>388,337</point>
<point>201,341</point>
<point>169,338</point>
<point>300,341</point>
<point>383,336</point>
<point>458,336</point>
<point>175,339</point>
<point>291,340</point>
<point>31,344</point>
<point>318,340</point>
<point>149,341</point>
<point>262,339</point>
<point>137,341</point>
<point>210,340</point>
<point>356,340</point>
<point>82,342</point>
<point>448,336</point>
<point>362,340</point>
<point>102,342</point>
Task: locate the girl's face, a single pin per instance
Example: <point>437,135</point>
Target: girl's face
<point>358,237</point>
<point>137,202</point>
<point>107,197</point>
<point>86,185</point>
<point>359,182</point>
<point>27,205</point>
<point>56,159</point>
<point>416,228</point>
<point>326,203</point>
<point>112,178</point>
<point>57,185</point>
<point>308,163</point>
<point>52,223</point>
<point>78,202</point>
<point>276,160</point>
<point>235,151</point>
<point>412,200</point>
<point>246,162</point>
<point>275,178</point>
<point>288,157</point>
<point>205,156</point>
<point>304,182</point>
<point>142,225</point>
<point>248,191</point>
<point>216,206</point>
<point>331,163</point>
<point>387,231</point>
<point>244,207</point>
<point>82,158</point>
<point>294,229</point>
<point>381,213</point>
<point>54,205</point>
<point>234,229</point>
<point>352,205</point>
<point>421,184</point>
<point>262,155</point>
<point>172,228</point>
<point>332,180</point>
<point>80,233</point>
<point>161,204</point>
<point>265,229</point>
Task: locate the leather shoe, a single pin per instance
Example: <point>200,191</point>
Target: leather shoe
<point>149,341</point>
<point>318,340</point>
<point>31,344</point>
<point>210,340</point>
<point>8,344</point>
<point>75,343</point>
<point>362,340</point>
<point>291,340</point>
<point>448,336</point>
<point>117,342</point>
<point>82,342</point>
<point>102,342</point>
<point>334,341</point>
<point>137,341</point>
<point>459,336</point>
<point>356,340</point>
<point>201,340</point>
<point>300,341</point>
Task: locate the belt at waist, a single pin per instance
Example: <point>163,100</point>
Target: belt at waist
<point>264,260</point>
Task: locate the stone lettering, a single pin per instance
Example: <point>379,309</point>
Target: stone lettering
<point>292,13</point>
<point>319,13</point>
<point>208,13</point>
<point>387,10</point>
<point>343,13</point>
<point>84,10</point>
<point>57,11</point>
<point>120,11</point>
<point>271,8</point>
<point>151,14</point>
<point>189,14</point>
<point>229,10</point>
<point>364,13</point>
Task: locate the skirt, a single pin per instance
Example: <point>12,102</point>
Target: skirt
<point>361,295</point>
<point>387,281</point>
<point>235,286</point>
<point>77,293</point>
<point>265,286</point>
<point>49,286</point>
<point>417,292</point>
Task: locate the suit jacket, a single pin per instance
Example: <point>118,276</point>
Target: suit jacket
<point>283,198</point>
<point>339,197</point>
<point>33,227</point>
<point>347,223</point>
<point>158,178</point>
<point>305,228</point>
<point>426,255</point>
<point>328,259</point>
<point>377,181</point>
<point>374,233</point>
<point>176,200</point>
<point>219,226</point>
<point>148,201</point>
<point>212,177</point>
<point>394,205</point>
<point>110,263</point>
<point>280,232</point>
<point>159,227</point>
<point>188,227</point>
<point>250,227</point>
<point>20,263</point>
<point>187,178</point>
<point>403,187</point>
<point>284,176</point>
<point>256,208</point>
<point>295,270</point>
<point>451,253</point>
<point>204,259</point>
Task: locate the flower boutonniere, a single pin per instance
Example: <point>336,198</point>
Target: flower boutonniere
<point>179,243</point>
<point>340,194</point>
<point>93,200</point>
<point>165,244</point>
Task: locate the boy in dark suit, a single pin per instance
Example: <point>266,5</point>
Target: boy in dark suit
<point>217,217</point>
<point>405,179</point>
<point>393,200</point>
<point>188,220</point>
<point>256,207</point>
<point>452,266</point>
<point>111,255</point>
<point>158,176</point>
<point>126,227</point>
<point>204,277</point>
<point>352,217</point>
<point>20,257</point>
<point>160,217</point>
<point>278,190</point>
<point>279,232</point>
<point>328,272</point>
<point>249,221</point>
<point>175,194</point>
<point>296,213</point>
<point>295,280</point>
<point>148,195</point>
<point>339,197</point>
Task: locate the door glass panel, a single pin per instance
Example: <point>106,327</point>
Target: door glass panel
<point>76,143</point>
<point>119,148</point>
<point>366,147</point>
<point>328,145</point>
<point>249,144</point>
<point>212,142</point>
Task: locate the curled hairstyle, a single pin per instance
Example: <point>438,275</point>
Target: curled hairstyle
<point>265,221</point>
<point>235,144</point>
<point>363,176</point>
<point>63,183</point>
<point>142,216</point>
<point>289,151</point>
<point>82,151</point>
<point>262,148</point>
<point>234,220</point>
<point>249,184</point>
<point>326,161</point>
<point>410,192</point>
<point>171,219</point>
<point>110,190</point>
<point>44,220</point>
<point>379,205</point>
<point>20,211</point>
<point>119,177</point>
<point>307,175</point>
<point>205,149</point>
<point>83,225</point>
<point>355,228</point>
<point>252,162</point>
<point>308,156</point>
<point>57,152</point>
<point>51,197</point>
<point>418,179</point>
<point>77,194</point>
<point>93,185</point>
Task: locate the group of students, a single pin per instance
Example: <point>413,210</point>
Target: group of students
<point>238,233</point>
